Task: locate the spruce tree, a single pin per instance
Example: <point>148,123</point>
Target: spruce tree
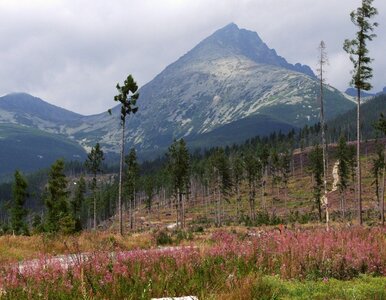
<point>381,126</point>
<point>253,169</point>
<point>316,167</point>
<point>238,176</point>
<point>78,201</point>
<point>263,154</point>
<point>128,96</point>
<point>93,164</point>
<point>149,186</point>
<point>58,216</point>
<point>18,212</point>
<point>362,72</point>
<point>131,180</point>
<point>343,171</point>
<point>378,165</point>
<point>179,170</point>
<point>222,178</point>
<point>285,169</point>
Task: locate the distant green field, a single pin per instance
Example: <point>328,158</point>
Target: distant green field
<point>30,149</point>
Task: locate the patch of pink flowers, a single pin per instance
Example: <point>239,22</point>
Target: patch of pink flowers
<point>339,253</point>
<point>313,253</point>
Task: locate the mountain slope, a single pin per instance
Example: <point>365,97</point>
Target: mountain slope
<point>239,131</point>
<point>230,76</point>
<point>227,77</point>
<point>370,113</point>
<point>30,149</point>
<point>24,109</point>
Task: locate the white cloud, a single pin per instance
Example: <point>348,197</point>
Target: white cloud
<point>73,52</point>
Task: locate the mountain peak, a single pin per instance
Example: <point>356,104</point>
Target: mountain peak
<point>232,41</point>
<point>230,26</point>
<point>23,104</point>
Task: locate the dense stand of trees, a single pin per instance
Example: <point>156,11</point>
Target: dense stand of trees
<point>247,175</point>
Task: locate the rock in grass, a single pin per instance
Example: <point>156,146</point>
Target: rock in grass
<point>177,298</point>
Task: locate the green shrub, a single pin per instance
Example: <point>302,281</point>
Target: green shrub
<point>163,237</point>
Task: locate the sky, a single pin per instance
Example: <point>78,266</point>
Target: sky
<point>72,53</point>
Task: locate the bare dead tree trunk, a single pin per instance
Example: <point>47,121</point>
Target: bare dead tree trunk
<point>120,180</point>
<point>131,204</point>
<point>252,194</point>
<point>218,201</point>
<point>95,209</point>
<point>301,162</point>
<point>183,199</point>
<point>322,62</point>
<point>238,201</point>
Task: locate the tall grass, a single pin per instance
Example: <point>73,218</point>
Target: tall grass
<point>231,263</point>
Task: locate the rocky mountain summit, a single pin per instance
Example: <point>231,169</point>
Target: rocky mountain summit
<point>229,77</point>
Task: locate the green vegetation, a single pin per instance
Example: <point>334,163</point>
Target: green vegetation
<point>258,220</point>
<point>33,149</point>
<point>18,212</point>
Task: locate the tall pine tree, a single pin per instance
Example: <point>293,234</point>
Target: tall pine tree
<point>128,96</point>
<point>18,212</point>
<point>93,164</point>
<point>131,180</point>
<point>316,166</point>
<point>362,72</point>
<point>343,171</point>
<point>381,126</point>
<point>58,217</point>
<point>77,201</point>
<point>179,170</point>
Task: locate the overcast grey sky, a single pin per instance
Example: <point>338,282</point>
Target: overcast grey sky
<point>71,53</point>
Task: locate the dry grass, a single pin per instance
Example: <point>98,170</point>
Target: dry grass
<point>16,248</point>
<point>238,289</point>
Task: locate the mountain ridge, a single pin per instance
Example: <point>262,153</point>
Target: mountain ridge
<point>229,76</point>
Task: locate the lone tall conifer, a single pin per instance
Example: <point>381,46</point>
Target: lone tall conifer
<point>128,96</point>
<point>131,178</point>
<point>362,72</point>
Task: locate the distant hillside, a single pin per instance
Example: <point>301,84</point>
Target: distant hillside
<point>30,149</point>
<point>239,131</point>
<point>353,92</point>
<point>23,108</point>
<point>370,111</point>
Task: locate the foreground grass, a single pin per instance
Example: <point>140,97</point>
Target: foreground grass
<point>272,287</point>
<point>345,263</point>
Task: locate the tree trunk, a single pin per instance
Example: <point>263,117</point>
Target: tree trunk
<point>320,210</point>
<point>120,180</point>
<point>131,205</point>
<point>95,211</point>
<point>301,163</point>
<point>238,201</point>
<point>183,210</point>
<point>324,144</point>
<point>359,175</point>
<point>219,208</point>
<point>252,202</point>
